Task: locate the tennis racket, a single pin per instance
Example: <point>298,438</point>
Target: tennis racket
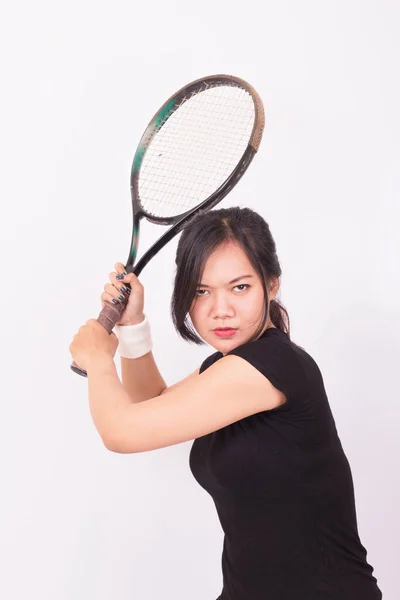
<point>193,152</point>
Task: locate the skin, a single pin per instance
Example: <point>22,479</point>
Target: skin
<point>238,305</point>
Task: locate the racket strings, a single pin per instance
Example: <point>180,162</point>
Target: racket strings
<point>195,150</point>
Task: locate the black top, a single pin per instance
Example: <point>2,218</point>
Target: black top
<point>283,489</point>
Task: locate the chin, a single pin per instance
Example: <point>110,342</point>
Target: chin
<point>225,346</point>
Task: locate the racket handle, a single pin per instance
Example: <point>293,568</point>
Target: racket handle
<point>110,314</point>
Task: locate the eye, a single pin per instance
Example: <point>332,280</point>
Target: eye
<point>245,285</point>
<point>198,292</point>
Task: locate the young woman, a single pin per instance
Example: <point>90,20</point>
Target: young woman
<point>265,444</point>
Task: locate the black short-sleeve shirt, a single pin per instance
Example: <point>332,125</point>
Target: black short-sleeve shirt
<point>283,489</point>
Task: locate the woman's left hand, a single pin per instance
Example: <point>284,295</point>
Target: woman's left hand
<point>91,343</point>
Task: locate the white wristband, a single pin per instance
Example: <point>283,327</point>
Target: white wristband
<point>134,340</point>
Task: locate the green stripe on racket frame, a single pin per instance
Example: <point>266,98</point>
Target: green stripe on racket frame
<point>193,152</point>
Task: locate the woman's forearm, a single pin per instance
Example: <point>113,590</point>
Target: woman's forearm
<point>107,397</point>
<point>141,378</point>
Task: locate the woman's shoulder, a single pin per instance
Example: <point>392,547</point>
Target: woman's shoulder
<point>273,346</point>
<point>210,360</point>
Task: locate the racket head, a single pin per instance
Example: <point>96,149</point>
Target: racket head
<point>196,147</point>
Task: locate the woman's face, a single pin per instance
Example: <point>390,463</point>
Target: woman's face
<point>221,302</point>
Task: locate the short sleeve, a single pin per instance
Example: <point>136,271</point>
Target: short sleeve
<point>275,357</point>
<point>210,360</point>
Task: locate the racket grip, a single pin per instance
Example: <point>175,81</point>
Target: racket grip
<point>110,314</point>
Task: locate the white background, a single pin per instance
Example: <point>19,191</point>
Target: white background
<point>80,81</point>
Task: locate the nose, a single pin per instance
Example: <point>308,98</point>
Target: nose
<point>221,307</point>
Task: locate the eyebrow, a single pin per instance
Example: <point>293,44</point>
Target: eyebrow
<point>203,285</point>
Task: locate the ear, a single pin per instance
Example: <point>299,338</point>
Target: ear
<point>274,288</point>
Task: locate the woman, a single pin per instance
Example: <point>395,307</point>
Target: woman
<point>265,444</point>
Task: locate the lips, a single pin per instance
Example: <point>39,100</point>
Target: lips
<point>224,332</point>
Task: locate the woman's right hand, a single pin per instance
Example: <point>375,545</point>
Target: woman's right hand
<point>133,312</point>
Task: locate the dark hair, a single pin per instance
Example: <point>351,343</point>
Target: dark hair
<point>201,236</point>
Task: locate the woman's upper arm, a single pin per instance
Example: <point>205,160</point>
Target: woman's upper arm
<point>229,390</point>
<point>179,383</point>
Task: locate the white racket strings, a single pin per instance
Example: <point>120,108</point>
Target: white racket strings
<point>195,150</point>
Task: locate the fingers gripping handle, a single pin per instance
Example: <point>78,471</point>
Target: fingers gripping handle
<point>110,314</point>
